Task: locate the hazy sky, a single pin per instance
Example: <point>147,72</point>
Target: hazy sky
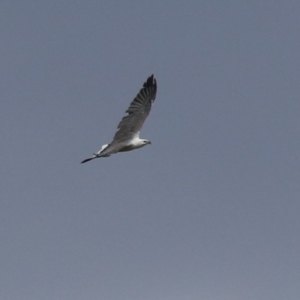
<point>210,210</point>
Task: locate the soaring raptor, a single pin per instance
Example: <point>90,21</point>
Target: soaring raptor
<point>127,135</point>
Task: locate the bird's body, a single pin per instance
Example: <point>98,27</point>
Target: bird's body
<point>127,135</point>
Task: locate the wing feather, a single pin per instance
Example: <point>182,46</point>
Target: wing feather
<point>137,112</point>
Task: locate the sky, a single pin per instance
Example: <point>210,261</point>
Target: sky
<point>209,210</point>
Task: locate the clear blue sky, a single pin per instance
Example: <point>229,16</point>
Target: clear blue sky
<point>210,210</point>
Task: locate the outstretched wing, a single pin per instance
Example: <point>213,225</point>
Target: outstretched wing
<point>137,112</point>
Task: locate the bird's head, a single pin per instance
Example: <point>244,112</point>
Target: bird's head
<point>146,142</point>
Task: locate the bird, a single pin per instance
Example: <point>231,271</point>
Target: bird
<point>127,137</point>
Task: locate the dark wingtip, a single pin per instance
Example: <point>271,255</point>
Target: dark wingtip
<point>150,81</point>
<point>86,160</point>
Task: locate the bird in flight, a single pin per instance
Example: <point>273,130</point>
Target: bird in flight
<point>127,136</point>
